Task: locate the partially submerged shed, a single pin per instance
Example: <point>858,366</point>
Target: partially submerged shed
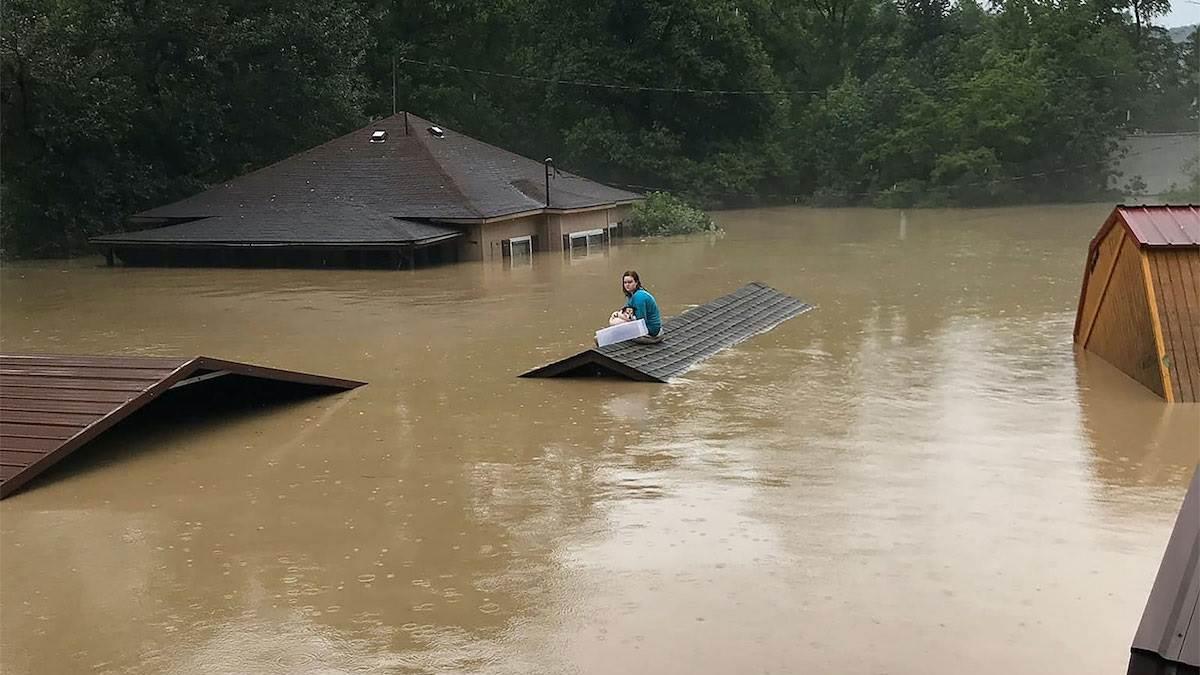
<point>51,405</point>
<point>1139,308</point>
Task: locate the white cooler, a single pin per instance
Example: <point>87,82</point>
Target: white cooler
<point>621,332</point>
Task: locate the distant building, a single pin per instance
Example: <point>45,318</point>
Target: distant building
<point>1139,308</point>
<point>1161,162</point>
<point>400,192</point>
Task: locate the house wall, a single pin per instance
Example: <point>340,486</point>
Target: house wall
<point>1175,275</point>
<point>620,213</point>
<point>559,224</point>
<point>1122,332</point>
<point>484,242</point>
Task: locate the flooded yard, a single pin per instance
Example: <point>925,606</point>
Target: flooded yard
<point>920,476</point>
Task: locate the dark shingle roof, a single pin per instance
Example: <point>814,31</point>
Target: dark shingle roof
<point>332,225</point>
<point>688,338</point>
<point>415,176</point>
<point>1170,626</point>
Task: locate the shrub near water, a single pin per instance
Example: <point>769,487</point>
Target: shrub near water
<point>665,214</point>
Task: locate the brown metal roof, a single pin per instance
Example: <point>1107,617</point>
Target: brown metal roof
<point>50,405</point>
<point>1170,627</point>
<point>1162,225</point>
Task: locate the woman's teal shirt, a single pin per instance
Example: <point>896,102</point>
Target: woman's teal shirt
<point>645,307</point>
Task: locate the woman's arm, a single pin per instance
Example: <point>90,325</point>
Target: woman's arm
<point>639,301</point>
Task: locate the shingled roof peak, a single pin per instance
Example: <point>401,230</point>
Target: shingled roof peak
<point>413,175</point>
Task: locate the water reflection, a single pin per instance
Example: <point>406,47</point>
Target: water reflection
<point>1137,440</point>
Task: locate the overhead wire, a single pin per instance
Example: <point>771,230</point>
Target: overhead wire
<point>615,86</point>
<point>988,182</point>
<point>619,86</point>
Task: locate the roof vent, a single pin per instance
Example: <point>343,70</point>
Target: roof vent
<point>437,132</point>
<point>378,136</point>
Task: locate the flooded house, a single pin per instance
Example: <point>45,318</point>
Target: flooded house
<point>1139,308</point>
<point>397,193</point>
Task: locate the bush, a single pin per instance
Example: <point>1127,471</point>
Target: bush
<point>665,214</point>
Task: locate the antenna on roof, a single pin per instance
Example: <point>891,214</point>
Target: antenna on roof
<point>405,122</point>
<point>549,162</point>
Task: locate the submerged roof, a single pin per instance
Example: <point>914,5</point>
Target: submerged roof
<point>1158,225</point>
<point>418,174</point>
<point>1170,626</point>
<point>52,405</point>
<point>688,338</point>
<point>303,225</point>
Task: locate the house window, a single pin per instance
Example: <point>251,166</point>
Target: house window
<point>519,248</point>
<point>583,243</point>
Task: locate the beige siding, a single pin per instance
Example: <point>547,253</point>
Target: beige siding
<point>469,247</point>
<point>554,232</point>
<point>1175,273</point>
<point>1122,332</point>
<point>560,224</point>
<point>484,242</point>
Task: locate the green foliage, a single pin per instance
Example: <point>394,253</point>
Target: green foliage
<point>108,108</point>
<point>665,214</point>
<point>112,107</point>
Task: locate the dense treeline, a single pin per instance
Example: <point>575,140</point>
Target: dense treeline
<point>113,106</point>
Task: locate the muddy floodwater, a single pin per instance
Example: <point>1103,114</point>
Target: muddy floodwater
<point>920,476</point>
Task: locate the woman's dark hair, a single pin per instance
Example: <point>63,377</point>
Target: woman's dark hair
<point>636,278</point>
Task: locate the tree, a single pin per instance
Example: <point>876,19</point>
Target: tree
<point>112,107</point>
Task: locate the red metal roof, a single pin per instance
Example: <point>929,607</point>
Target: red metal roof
<point>50,404</point>
<point>1163,225</point>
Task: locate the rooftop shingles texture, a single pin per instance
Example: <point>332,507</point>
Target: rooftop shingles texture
<point>301,226</point>
<point>1163,225</point>
<point>1170,625</point>
<point>415,176</point>
<point>497,182</point>
<point>688,338</point>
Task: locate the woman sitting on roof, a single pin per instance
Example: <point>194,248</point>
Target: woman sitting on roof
<point>644,307</point>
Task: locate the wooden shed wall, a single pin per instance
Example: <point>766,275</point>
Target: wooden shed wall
<point>1122,332</point>
<point>1096,282</point>
<point>1175,274</point>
